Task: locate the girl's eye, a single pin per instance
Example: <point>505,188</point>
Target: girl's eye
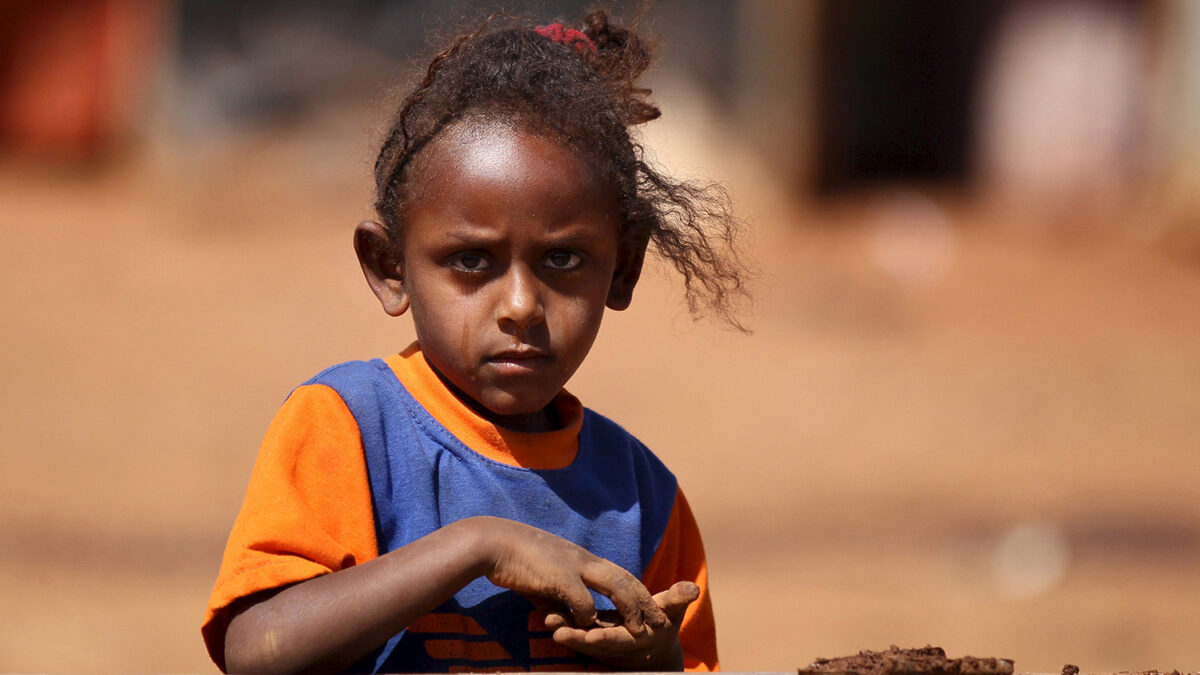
<point>563,260</point>
<point>470,262</point>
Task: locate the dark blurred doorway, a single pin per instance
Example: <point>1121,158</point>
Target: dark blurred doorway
<point>896,86</point>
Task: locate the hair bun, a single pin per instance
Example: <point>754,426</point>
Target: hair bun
<point>620,57</point>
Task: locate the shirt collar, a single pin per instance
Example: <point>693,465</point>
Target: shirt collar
<point>543,450</point>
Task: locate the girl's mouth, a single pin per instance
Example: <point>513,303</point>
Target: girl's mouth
<point>519,360</point>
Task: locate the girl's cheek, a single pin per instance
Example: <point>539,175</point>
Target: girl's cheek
<point>464,344</point>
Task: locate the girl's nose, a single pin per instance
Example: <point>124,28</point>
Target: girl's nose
<point>520,304</point>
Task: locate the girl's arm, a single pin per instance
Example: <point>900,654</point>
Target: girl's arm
<point>329,622</point>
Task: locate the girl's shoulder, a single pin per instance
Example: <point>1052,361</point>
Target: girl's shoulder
<point>350,373</point>
<point>614,449</point>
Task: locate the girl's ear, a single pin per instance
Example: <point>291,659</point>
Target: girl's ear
<point>630,256</point>
<point>382,265</point>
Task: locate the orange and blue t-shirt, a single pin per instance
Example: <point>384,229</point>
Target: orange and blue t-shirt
<point>369,456</point>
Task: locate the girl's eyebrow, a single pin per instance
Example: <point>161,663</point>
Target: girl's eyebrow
<point>576,234</point>
<point>573,233</point>
<point>466,233</point>
<point>471,235</point>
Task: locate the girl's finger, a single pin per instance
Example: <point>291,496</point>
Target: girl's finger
<point>555,620</point>
<point>675,600</point>
<point>578,599</point>
<point>610,638</point>
<point>570,636</point>
<point>652,612</point>
<point>630,597</point>
<point>597,641</point>
<point>554,614</point>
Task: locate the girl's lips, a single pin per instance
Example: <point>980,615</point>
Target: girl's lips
<point>523,361</point>
<point>517,355</point>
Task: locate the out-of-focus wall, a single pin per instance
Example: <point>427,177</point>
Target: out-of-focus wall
<point>1175,134</point>
<point>74,74</point>
<point>1043,107</point>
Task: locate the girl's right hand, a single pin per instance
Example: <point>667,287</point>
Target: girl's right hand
<point>540,565</point>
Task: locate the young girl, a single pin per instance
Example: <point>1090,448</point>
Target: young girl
<point>452,507</point>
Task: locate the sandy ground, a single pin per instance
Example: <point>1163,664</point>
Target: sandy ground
<point>958,432</point>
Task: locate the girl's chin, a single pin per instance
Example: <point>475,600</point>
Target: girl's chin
<point>518,415</point>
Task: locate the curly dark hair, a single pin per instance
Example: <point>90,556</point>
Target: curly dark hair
<point>587,95</point>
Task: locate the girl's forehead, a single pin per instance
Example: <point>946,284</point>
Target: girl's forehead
<point>485,146</point>
<point>475,135</point>
<point>495,149</point>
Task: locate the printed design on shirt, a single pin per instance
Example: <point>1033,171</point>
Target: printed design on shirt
<point>462,645</point>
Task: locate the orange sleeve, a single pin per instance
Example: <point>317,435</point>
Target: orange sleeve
<point>680,557</point>
<point>307,510</point>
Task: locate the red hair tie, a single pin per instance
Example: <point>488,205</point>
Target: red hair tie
<point>568,36</point>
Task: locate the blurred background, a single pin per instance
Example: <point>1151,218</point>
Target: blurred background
<point>968,415</point>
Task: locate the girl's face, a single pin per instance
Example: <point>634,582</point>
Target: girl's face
<point>510,251</point>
